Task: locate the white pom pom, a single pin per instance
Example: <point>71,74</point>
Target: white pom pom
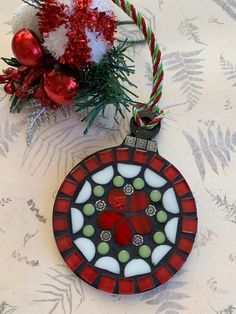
<point>102,6</point>
<point>56,41</point>
<point>97,44</point>
<point>25,17</point>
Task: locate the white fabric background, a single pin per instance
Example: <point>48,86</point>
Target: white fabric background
<point>197,38</point>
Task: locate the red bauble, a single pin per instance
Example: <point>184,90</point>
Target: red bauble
<point>27,48</point>
<point>60,87</point>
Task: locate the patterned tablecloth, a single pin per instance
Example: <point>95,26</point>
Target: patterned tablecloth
<point>198,136</point>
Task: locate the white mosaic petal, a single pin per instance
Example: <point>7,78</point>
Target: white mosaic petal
<point>86,247</point>
<point>153,179</point>
<point>171,229</point>
<point>77,220</point>
<point>137,267</point>
<point>128,171</point>
<point>84,194</point>
<point>108,263</point>
<point>159,252</point>
<point>169,201</point>
<point>104,176</point>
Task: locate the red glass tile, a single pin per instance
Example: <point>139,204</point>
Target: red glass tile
<point>60,224</point>
<point>117,199</point>
<point>89,274</point>
<point>68,187</point>
<point>142,223</point>
<point>140,156</point>
<point>62,205</point>
<point>189,205</point>
<point>163,274</point>
<point>79,174</point>
<point>171,173</point>
<point>74,260</point>
<point>138,201</point>
<point>92,163</point>
<point>122,154</point>
<point>108,219</point>
<point>123,235</point>
<point>126,286</point>
<point>107,283</point>
<point>181,188</point>
<point>145,283</point>
<point>176,260</point>
<point>64,243</point>
<point>157,163</point>
<point>106,156</point>
<point>189,225</point>
<point>185,244</point>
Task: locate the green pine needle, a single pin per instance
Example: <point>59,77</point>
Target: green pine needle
<point>11,62</point>
<point>103,84</point>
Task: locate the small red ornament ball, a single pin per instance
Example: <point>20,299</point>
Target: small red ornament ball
<point>60,86</point>
<point>27,48</point>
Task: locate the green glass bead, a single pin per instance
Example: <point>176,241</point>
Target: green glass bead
<point>89,209</point>
<point>155,196</point>
<point>98,191</point>
<point>161,216</point>
<point>123,256</point>
<point>159,237</point>
<point>145,251</point>
<point>103,248</point>
<point>118,181</point>
<point>138,184</point>
<point>88,231</point>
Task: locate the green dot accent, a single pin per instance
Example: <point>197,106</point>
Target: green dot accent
<point>159,237</point>
<point>155,196</point>
<point>88,231</point>
<point>98,191</point>
<point>138,184</point>
<point>118,181</point>
<point>123,256</point>
<point>103,248</point>
<point>89,209</point>
<point>145,251</point>
<point>161,216</point>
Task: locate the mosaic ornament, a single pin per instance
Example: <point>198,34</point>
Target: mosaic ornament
<point>125,219</point>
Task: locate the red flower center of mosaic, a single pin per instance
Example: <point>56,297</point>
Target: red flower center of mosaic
<point>125,216</point>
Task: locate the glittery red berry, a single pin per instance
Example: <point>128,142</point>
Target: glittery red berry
<point>9,88</point>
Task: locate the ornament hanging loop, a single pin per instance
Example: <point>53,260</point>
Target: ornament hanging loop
<point>144,133</point>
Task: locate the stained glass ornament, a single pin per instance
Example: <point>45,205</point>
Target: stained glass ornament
<point>124,218</point>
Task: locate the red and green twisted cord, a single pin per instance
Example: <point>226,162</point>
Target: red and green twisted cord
<point>158,73</point>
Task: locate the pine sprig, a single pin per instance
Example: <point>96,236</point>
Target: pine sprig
<point>16,104</point>
<point>104,84</point>
<point>35,3</point>
<point>11,62</point>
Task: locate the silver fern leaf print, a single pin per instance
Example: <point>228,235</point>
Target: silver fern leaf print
<point>225,205</point>
<point>8,133</point>
<point>215,148</point>
<point>63,292</point>
<point>188,29</point>
<point>229,69</point>
<point>188,72</point>
<point>229,6</point>
<point>168,298</point>
<point>6,308</point>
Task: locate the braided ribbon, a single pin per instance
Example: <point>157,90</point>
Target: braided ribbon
<point>158,73</point>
